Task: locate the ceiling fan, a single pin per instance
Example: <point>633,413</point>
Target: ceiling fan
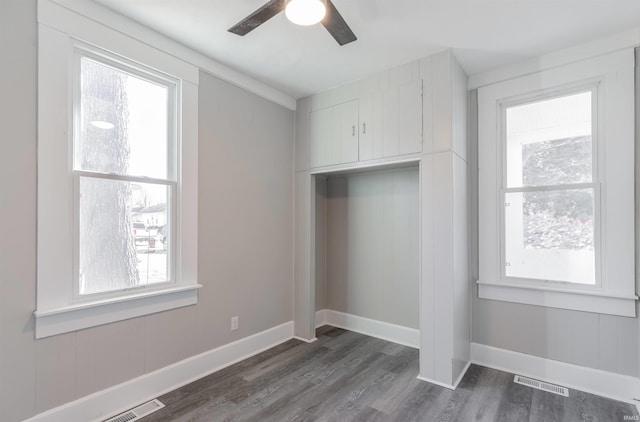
<point>301,12</point>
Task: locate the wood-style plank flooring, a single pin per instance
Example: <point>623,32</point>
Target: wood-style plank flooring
<point>346,376</point>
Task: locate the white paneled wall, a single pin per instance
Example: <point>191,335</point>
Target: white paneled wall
<point>392,100</point>
<point>372,244</point>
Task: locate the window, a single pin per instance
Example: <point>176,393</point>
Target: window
<point>117,177</point>
<point>124,171</point>
<point>556,188</point>
<point>549,211</point>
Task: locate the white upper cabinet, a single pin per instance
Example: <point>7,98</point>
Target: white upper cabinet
<point>346,119</point>
<point>382,124</point>
<point>334,134</point>
<point>371,144</point>
<point>402,120</point>
<point>321,137</point>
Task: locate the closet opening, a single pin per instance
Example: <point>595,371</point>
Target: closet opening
<point>367,251</point>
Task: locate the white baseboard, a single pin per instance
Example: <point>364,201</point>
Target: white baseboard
<point>442,384</point>
<point>371,327</point>
<point>607,384</point>
<point>464,371</point>
<point>321,318</point>
<point>305,340</point>
<point>116,399</point>
<point>101,405</point>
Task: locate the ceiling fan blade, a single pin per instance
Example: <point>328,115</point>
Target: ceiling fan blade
<point>257,18</point>
<point>337,26</point>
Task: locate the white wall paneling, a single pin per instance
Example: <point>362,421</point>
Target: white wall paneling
<point>407,118</point>
<point>372,245</point>
<point>410,118</point>
<point>304,267</point>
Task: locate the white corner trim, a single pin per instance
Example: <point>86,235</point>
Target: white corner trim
<point>606,384</point>
<point>116,399</point>
<point>371,327</point>
<point>64,14</point>
<point>619,41</point>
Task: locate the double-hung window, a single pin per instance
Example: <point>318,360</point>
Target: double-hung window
<point>549,222</point>
<point>117,176</point>
<point>124,170</point>
<point>556,187</point>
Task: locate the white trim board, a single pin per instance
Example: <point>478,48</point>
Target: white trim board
<point>66,14</point>
<point>371,327</point>
<point>606,384</point>
<point>121,397</point>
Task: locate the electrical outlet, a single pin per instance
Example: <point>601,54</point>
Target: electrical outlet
<point>234,323</point>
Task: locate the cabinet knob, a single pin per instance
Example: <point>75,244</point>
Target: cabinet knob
<point>364,128</point>
<point>353,130</point>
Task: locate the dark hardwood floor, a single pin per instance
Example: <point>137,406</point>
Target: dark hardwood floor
<point>345,376</point>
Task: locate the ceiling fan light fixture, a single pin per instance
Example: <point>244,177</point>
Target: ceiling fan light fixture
<point>305,12</point>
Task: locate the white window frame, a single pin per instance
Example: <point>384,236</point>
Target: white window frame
<point>611,78</point>
<point>596,105</point>
<point>59,307</point>
<point>173,90</point>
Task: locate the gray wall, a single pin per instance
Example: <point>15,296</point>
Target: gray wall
<point>372,245</point>
<point>17,207</point>
<point>245,241</point>
<point>588,339</point>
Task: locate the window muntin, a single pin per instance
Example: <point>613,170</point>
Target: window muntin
<point>124,171</point>
<point>550,220</point>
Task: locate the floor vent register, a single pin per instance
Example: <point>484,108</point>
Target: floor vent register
<point>138,412</point>
<point>541,385</point>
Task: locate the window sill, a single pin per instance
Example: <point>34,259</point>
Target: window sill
<point>586,301</point>
<point>90,314</point>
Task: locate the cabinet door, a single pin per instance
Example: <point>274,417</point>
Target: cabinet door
<point>321,137</point>
<point>371,136</point>
<point>390,123</point>
<point>346,118</point>
<point>410,118</point>
<point>402,120</point>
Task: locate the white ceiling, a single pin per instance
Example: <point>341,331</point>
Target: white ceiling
<point>300,61</point>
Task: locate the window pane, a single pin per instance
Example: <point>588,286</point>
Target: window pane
<point>549,235</point>
<point>123,124</point>
<point>123,235</point>
<point>549,142</point>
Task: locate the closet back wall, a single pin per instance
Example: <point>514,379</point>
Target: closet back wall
<point>372,245</point>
